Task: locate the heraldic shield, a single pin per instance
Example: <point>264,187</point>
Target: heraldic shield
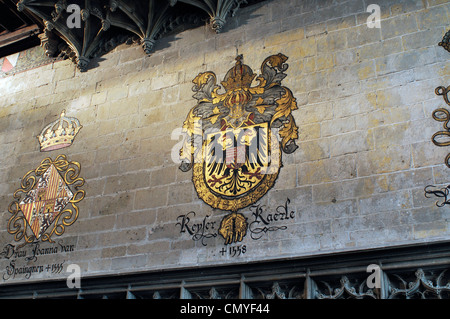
<point>233,140</point>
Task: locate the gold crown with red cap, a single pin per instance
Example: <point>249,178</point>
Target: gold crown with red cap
<point>59,134</point>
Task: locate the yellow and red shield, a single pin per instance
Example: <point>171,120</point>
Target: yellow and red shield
<point>46,201</point>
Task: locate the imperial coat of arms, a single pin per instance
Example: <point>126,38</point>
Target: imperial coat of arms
<point>235,135</point>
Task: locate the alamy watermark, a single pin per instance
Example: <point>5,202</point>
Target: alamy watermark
<point>374,20</point>
<point>374,279</point>
<point>74,279</point>
<point>74,19</point>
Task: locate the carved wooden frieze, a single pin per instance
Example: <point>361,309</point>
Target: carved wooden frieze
<point>81,30</point>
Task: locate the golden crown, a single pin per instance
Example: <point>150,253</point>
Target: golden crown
<point>59,134</point>
<point>238,77</point>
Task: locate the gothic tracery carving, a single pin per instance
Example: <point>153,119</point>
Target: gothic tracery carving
<point>104,21</point>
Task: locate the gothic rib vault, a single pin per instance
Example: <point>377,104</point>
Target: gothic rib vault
<point>107,23</point>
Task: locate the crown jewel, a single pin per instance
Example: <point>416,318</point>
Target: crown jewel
<point>59,134</point>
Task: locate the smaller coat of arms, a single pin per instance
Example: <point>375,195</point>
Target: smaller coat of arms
<point>47,200</point>
<point>45,204</point>
<point>234,140</point>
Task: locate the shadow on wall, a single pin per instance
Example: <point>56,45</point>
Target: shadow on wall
<point>84,33</point>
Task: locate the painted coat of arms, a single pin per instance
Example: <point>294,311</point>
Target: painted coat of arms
<point>234,139</point>
<point>47,200</point>
<point>45,203</point>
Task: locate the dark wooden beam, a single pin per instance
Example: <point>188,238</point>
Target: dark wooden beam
<point>18,35</point>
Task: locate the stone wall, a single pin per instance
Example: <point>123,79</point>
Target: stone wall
<point>365,98</point>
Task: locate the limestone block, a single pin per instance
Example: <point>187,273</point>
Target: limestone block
<point>353,142</point>
<point>400,25</point>
<point>428,154</point>
<point>361,35</point>
<point>384,160</point>
<point>151,198</point>
<point>312,150</point>
<point>327,170</point>
<point>134,219</point>
<point>433,17</point>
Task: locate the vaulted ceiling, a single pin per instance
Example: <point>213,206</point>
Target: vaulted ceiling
<point>103,24</point>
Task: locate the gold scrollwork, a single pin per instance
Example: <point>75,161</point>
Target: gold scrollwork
<point>69,171</point>
<point>442,138</point>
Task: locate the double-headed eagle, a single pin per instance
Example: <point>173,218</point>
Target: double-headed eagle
<point>233,139</point>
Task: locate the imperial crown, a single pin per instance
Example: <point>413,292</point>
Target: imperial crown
<point>239,77</point>
<point>59,134</point>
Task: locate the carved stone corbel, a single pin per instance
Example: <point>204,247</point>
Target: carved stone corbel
<point>218,10</point>
<point>129,15</point>
<point>49,42</point>
<point>84,44</point>
<point>60,8</point>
